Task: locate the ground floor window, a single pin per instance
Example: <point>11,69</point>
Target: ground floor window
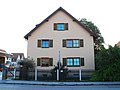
<point>45,62</point>
<point>73,61</point>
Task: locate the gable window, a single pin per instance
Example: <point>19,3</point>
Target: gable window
<point>44,62</point>
<point>73,43</point>
<point>60,26</point>
<point>73,61</point>
<point>44,43</point>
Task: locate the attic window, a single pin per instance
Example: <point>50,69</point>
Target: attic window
<point>60,26</point>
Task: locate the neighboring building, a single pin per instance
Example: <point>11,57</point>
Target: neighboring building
<point>3,56</point>
<point>16,57</point>
<point>118,44</point>
<point>61,32</point>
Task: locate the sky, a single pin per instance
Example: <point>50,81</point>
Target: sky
<point>18,17</point>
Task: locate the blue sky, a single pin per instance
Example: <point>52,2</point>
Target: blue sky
<point>18,17</point>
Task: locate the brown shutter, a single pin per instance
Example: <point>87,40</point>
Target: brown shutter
<point>50,43</point>
<point>64,61</point>
<point>39,43</point>
<point>55,26</point>
<point>66,26</point>
<point>38,61</point>
<point>82,61</point>
<point>64,43</point>
<point>50,61</point>
<point>81,43</point>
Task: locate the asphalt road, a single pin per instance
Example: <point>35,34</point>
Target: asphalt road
<point>38,87</point>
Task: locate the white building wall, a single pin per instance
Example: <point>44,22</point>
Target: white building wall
<point>75,31</point>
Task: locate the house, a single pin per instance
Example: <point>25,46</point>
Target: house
<point>16,57</point>
<point>62,36</point>
<point>3,56</point>
<point>118,44</point>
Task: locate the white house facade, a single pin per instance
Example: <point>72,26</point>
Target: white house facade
<point>61,37</point>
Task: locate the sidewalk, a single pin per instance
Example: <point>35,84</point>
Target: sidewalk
<point>56,83</point>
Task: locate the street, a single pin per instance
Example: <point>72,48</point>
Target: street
<point>39,87</point>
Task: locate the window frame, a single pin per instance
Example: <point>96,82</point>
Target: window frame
<point>41,41</point>
<point>56,27</point>
<point>60,26</point>
<point>44,42</point>
<point>72,43</point>
<point>43,59</point>
<point>73,58</point>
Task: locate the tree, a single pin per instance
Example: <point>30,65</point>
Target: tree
<point>108,65</point>
<point>99,40</point>
<point>25,66</point>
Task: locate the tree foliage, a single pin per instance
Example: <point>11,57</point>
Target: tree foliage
<point>99,40</point>
<point>25,66</point>
<point>108,65</point>
<point>27,63</point>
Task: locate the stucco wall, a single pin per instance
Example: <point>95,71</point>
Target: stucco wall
<point>46,31</point>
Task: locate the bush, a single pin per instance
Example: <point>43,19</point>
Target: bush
<point>26,66</point>
<point>107,65</point>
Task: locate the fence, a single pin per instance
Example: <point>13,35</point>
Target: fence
<point>48,75</point>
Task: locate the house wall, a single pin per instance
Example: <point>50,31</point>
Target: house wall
<point>75,31</point>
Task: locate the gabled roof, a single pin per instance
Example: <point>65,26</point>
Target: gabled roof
<point>15,56</point>
<point>60,9</point>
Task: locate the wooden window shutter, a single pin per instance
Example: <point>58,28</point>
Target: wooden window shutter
<point>64,61</point>
<point>81,43</point>
<point>50,61</point>
<point>50,43</point>
<point>82,61</point>
<point>39,43</point>
<point>38,61</point>
<point>66,26</point>
<point>64,43</point>
<point>55,26</point>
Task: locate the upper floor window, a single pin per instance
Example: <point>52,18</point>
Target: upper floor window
<point>73,43</point>
<point>45,43</point>
<point>69,43</point>
<point>60,26</point>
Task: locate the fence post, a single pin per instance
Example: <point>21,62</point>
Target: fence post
<point>14,73</point>
<point>80,74</point>
<point>1,75</point>
<point>36,73</point>
<point>57,74</point>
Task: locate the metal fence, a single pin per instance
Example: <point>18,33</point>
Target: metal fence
<point>47,75</point>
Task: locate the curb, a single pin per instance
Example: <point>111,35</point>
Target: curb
<point>57,83</point>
